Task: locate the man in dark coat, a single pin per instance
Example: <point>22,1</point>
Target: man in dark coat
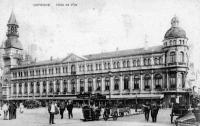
<point>146,111</point>
<point>11,110</point>
<point>62,109</point>
<point>154,112</point>
<point>14,110</point>
<point>69,109</point>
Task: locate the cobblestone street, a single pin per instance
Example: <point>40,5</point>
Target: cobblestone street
<point>40,117</point>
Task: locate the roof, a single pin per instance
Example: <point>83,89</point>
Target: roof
<point>129,52</point>
<point>175,32</point>
<point>13,42</point>
<point>122,53</point>
<point>12,19</point>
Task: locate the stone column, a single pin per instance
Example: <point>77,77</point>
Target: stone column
<point>78,85</point>
<point>103,84</point>
<point>111,84</point>
<point>131,83</point>
<point>141,83</point>
<point>47,86</point>
<point>17,89</point>
<point>54,86</point>
<point>11,89</point>
<point>23,88</point>
<point>61,86</point>
<point>94,84</point>
<point>121,86</point>
<point>86,85</point>
<point>34,87</point>
<point>68,86</point>
<point>167,80</point>
<point>28,90</point>
<point>41,87</point>
<point>152,85</point>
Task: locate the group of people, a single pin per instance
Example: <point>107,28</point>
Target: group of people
<point>55,108</point>
<point>153,108</point>
<point>9,110</point>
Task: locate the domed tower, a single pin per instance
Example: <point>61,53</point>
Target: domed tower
<point>176,54</point>
<point>12,55</point>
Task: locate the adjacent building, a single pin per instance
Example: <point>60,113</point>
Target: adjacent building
<point>157,72</point>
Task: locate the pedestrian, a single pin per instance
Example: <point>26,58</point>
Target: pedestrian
<point>154,111</point>
<point>146,111</point>
<point>21,107</point>
<point>52,110</point>
<point>69,109</point>
<point>14,110</point>
<point>10,110</point>
<point>5,110</point>
<point>62,109</point>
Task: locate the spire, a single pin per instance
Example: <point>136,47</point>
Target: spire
<point>12,20</point>
<point>175,21</point>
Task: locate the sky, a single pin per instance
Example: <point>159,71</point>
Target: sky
<point>95,26</point>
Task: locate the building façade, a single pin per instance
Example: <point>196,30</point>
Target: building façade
<point>157,72</point>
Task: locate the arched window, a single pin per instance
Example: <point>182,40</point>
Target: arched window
<point>128,63</point>
<point>118,64</point>
<point>20,88</point>
<point>98,84</point>
<point>64,86</point>
<point>107,83</point>
<point>14,89</point>
<point>108,65</point>
<point>38,87</point>
<point>149,61</point>
<point>81,85</point>
<point>134,63</point>
<point>51,87</point>
<point>158,81</point>
<point>172,80</point>
<point>156,61</point>
<point>172,57</point>
<point>124,64</point>
<point>44,87</point>
<point>73,86</point>
<point>105,66</point>
<point>147,81</point>
<point>116,83</point>
<point>126,82</point>
<point>57,86</point>
<point>89,85</point>
<point>114,65</point>
<point>181,57</point>
<point>138,62</point>
<point>73,69</point>
<point>136,82</point>
<point>25,88</point>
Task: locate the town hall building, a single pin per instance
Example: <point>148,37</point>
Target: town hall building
<point>157,72</point>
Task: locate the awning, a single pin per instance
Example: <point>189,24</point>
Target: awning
<point>138,96</point>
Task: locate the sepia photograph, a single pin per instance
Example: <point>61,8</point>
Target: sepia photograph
<point>100,62</point>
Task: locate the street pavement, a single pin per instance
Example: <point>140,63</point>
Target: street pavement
<point>40,117</point>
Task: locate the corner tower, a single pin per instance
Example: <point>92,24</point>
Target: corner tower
<point>176,57</point>
<point>12,46</point>
<point>12,54</point>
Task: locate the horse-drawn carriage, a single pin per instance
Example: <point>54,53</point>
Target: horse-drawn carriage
<point>90,113</point>
<point>115,112</point>
<point>178,110</point>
